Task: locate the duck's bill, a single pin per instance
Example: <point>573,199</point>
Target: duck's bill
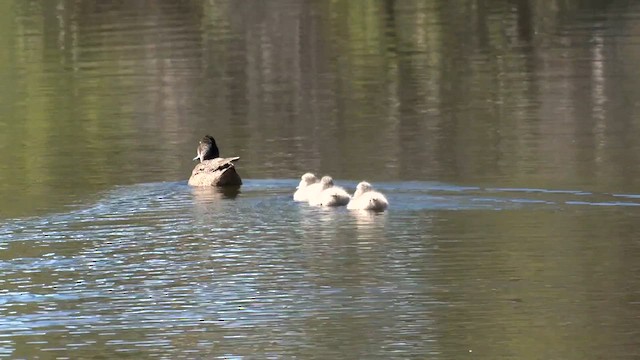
<point>196,158</point>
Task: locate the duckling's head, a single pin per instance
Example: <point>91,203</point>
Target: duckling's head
<point>307,179</point>
<point>362,188</point>
<point>207,149</point>
<point>326,181</point>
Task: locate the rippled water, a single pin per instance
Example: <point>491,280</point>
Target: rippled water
<point>505,135</point>
<point>163,269</point>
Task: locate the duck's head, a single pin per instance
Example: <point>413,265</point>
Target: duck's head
<point>307,179</point>
<point>326,181</point>
<point>207,149</point>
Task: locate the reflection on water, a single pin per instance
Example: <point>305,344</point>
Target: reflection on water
<point>520,95</point>
<point>527,107</point>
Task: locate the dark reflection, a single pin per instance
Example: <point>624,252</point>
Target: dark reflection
<point>204,194</point>
<point>525,16</point>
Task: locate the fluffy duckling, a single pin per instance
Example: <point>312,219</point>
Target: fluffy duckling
<point>212,169</point>
<point>329,195</point>
<point>317,187</point>
<point>302,192</point>
<point>365,198</point>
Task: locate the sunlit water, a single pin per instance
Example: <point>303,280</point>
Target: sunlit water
<point>163,269</point>
<point>505,135</point>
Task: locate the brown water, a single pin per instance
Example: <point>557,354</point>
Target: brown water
<point>505,134</point>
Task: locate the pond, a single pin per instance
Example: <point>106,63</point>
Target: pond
<point>505,136</point>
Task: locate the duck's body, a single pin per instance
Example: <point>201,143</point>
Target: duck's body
<point>328,195</point>
<point>302,192</point>
<point>216,172</point>
<point>213,170</point>
<point>365,198</point>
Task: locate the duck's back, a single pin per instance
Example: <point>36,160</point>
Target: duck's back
<point>215,172</point>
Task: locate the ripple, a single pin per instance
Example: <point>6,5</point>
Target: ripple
<point>169,261</point>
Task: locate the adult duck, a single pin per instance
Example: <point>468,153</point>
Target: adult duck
<point>212,169</point>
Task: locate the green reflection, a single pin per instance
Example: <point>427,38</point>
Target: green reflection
<point>472,92</point>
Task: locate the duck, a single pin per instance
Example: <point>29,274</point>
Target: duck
<point>212,169</point>
<point>328,194</point>
<point>302,191</point>
<point>365,198</point>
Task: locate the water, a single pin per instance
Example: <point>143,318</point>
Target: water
<point>164,269</point>
<point>504,135</point>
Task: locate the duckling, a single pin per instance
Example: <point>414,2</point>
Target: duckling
<point>365,198</point>
<point>212,169</point>
<point>302,192</point>
<point>329,195</point>
<point>315,188</point>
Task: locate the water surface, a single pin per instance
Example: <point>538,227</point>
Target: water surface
<point>505,135</point>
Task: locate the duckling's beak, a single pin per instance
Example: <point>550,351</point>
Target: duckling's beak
<point>196,158</point>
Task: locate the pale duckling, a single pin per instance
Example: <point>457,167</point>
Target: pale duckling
<point>213,170</point>
<point>302,192</point>
<point>365,198</point>
<point>317,187</point>
<point>329,195</point>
